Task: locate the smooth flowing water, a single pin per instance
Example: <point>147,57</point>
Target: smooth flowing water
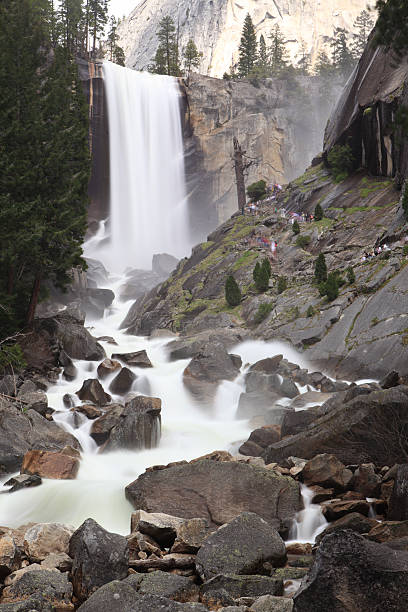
<point>309,521</point>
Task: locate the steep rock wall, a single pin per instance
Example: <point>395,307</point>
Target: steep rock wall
<point>216,26</point>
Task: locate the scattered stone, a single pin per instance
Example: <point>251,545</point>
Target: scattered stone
<point>299,548</point>
<point>237,586</point>
<point>327,471</point>
<point>366,481</point>
<point>108,366</point>
<point>92,391</point>
<point>191,535</point>
<point>90,411</point>
<point>354,521</point>
<point>241,547</point>
<point>54,587</point>
<point>23,481</point>
<point>98,558</point>
<point>398,504</point>
<point>59,561</point>
<point>338,508</point>
<point>9,556</point>
<point>269,603</point>
<point>138,359</point>
<point>161,527</point>
<point>50,465</point>
<point>46,538</point>
<point>164,584</point>
<point>122,383</point>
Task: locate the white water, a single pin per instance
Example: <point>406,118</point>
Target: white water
<point>310,521</point>
<point>148,206</point>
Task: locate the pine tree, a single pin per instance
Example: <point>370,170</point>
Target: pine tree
<point>70,20</point>
<point>318,212</point>
<point>295,227</point>
<point>392,24</point>
<point>248,49</point>
<point>98,18</point>
<point>115,53</point>
<point>323,66</point>
<point>262,279</point>
<point>332,287</point>
<point>304,62</point>
<point>363,24</point>
<point>255,273</point>
<point>232,292</point>
<point>191,57</point>
<point>342,57</point>
<point>351,277</point>
<point>320,271</point>
<point>166,60</point>
<point>267,265</point>
<point>278,55</point>
<point>263,58</point>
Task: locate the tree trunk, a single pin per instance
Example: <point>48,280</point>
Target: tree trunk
<point>239,175</point>
<point>34,299</point>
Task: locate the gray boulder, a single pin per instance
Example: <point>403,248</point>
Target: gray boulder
<point>164,584</point>
<point>54,587</point>
<point>138,425</point>
<point>103,425</point>
<point>74,339</point>
<point>241,586</point>
<point>242,546</point>
<point>92,391</point>
<point>138,359</point>
<point>208,368</point>
<point>269,603</point>
<point>122,383</point>
<point>163,264</point>
<point>398,504</point>
<point>98,558</point>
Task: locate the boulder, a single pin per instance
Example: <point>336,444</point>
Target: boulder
<point>74,339</point>
<point>269,603</point>
<point>216,491</point>
<point>92,391</point>
<point>207,368</point>
<point>98,558</point>
<point>392,379</point>
<point>9,556</point>
<point>102,426</point>
<point>138,359</point>
<point>138,425</point>
<point>50,465</point>
<point>260,382</point>
<point>45,538</point>
<point>59,561</point>
<point>240,586</point>
<point>366,429</point>
<point>89,410</point>
<point>163,264</point>
<point>8,385</point>
<point>53,587</point>
<point>336,509</point>
<point>107,366</point>
<point>398,504</point>
<point>122,383</point>
<point>296,422</point>
<point>164,584</point>
<point>35,400</point>
<point>366,481</point>
<point>327,471</point>
<point>190,536</point>
<point>352,573</point>
<point>269,365</point>
<point>387,531</point>
<point>23,481</point>
<point>242,546</point>
<point>258,440</point>
<point>354,521</point>
<point>258,403</point>
<point>161,527</point>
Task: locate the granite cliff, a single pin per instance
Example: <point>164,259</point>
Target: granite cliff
<point>216,27</point>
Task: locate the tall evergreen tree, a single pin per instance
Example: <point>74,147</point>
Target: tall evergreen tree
<point>323,67</point>
<point>98,18</point>
<point>278,54</point>
<point>166,60</point>
<point>248,48</point>
<point>262,65</point>
<point>304,62</point>
<point>115,52</point>
<point>392,24</point>
<point>191,57</point>
<point>70,23</point>
<point>363,24</point>
<point>342,57</point>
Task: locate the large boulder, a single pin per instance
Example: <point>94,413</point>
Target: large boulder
<point>327,471</point>
<point>92,391</point>
<point>103,425</point>
<point>258,440</point>
<point>108,366</point>
<point>242,546</point>
<point>72,336</point>
<point>163,264</point>
<point>183,535</point>
<point>237,586</point>
<point>50,465</point>
<point>354,521</point>
<point>138,359</point>
<point>98,558</point>
<point>216,491</point>
<point>45,538</point>
<point>122,383</point>
<point>366,481</point>
<point>366,429</point>
<point>354,574</point>
<point>53,587</point>
<point>138,425</point>
<point>398,504</point>
<point>9,555</point>
<point>208,367</point>
<point>164,584</point>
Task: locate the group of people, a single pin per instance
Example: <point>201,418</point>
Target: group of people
<point>366,256</point>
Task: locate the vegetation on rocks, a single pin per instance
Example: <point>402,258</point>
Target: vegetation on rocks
<point>341,161</point>
<point>232,292</point>
<point>320,270</point>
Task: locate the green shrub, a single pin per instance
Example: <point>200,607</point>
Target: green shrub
<point>341,161</point>
<point>295,227</point>
<point>262,312</point>
<point>255,273</point>
<point>267,265</point>
<point>11,357</point>
<point>332,287</point>
<point>232,292</point>
<point>303,241</point>
<point>351,277</point>
<point>257,190</point>
<point>282,284</point>
<point>320,271</point>
<point>318,213</point>
<point>339,278</point>
<point>262,279</point>
<point>405,249</point>
<point>310,312</point>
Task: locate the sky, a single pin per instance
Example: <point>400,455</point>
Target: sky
<point>122,7</point>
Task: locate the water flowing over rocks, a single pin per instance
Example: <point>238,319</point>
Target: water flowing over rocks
<point>138,425</point>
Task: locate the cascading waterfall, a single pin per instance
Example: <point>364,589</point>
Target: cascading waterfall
<point>148,204</point>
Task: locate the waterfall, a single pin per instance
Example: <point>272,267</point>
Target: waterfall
<point>148,206</point>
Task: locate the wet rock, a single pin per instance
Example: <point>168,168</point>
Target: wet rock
<point>98,558</point>
<point>269,365</point>
<point>240,586</point>
<point>361,571</point>
<point>35,400</point>
<point>50,465</point>
<point>108,366</point>
<point>122,383</point>
<point>45,538</point>
<point>387,531</point>
<point>333,510</point>
<point>92,391</point>
<point>259,403</point>
<point>138,425</point>
<point>207,368</point>
<point>354,521</point>
<point>288,388</point>
<point>138,359</point>
<point>321,494</point>
<point>54,587</point>
<point>392,379</point>
<point>74,339</point>
<point>398,504</point>
<point>23,481</point>
<point>242,546</point>
<point>258,440</point>
<point>68,400</point>
<point>295,422</point>
<point>216,491</point>
<point>90,411</point>
<point>259,382</point>
<point>163,584</point>
<point>366,481</point>
<point>9,556</point>
<point>327,471</point>
<point>269,603</point>
<point>102,426</point>
<point>70,372</point>
<point>161,527</point>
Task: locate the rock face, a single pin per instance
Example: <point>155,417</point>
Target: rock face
<point>216,28</point>
<point>351,573</point>
<point>242,546</point>
<point>52,589</point>
<point>138,425</point>
<point>50,465</point>
<point>99,557</point>
<point>216,491</point>
<point>45,538</point>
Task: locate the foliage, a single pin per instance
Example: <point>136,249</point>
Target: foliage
<point>363,24</point>
<point>191,57</point>
<point>341,161</point>
<point>303,241</point>
<point>320,271</point>
<point>115,53</point>
<point>392,24</point>
<point>278,54</point>
<point>166,60</point>
<point>318,212</point>
<point>11,357</point>
<point>295,227</point>
<point>405,249</point>
<point>256,190</point>
<point>332,286</point>
<point>310,312</point>
<point>267,265</point>
<point>342,57</point>
<point>351,277</point>
<point>304,63</point>
<point>261,275</point>
<point>323,67</point>
<point>282,284</point>
<point>263,310</point>
<point>232,292</point>
<point>248,48</point>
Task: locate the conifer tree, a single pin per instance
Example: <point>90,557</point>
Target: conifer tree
<point>255,272</point>
<point>267,265</point>
<point>248,48</point>
<point>342,57</point>
<point>332,287</point>
<point>166,60</point>
<point>278,55</point>
<point>323,66</point>
<point>262,278</point>
<point>304,62</point>
<point>392,24</point>
<point>295,227</point>
<point>232,292</point>
<point>70,22</point>
<point>363,24</point>
<point>318,212</point>
<point>320,271</point>
<point>263,58</point>
<point>115,52</point>
<point>98,18</point>
<point>191,57</point>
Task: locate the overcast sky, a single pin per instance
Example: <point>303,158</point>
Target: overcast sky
<point>122,7</point>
